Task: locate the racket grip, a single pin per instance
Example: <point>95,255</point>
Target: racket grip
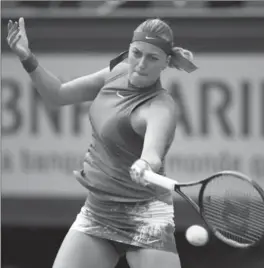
<point>159,180</point>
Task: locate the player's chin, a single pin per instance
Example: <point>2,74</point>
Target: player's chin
<point>139,81</point>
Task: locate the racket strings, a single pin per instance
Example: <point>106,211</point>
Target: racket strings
<point>241,222</point>
<point>219,206</point>
<point>236,229</point>
<point>235,209</point>
<point>241,235</point>
<point>218,223</point>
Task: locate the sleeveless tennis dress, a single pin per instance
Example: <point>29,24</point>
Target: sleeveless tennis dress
<point>116,207</point>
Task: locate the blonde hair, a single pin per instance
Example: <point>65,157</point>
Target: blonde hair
<point>161,29</point>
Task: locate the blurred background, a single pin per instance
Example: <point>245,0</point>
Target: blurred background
<point>221,124</point>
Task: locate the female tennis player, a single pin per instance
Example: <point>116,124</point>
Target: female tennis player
<point>133,121</point>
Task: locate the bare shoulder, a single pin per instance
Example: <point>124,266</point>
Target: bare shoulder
<point>159,111</point>
<point>119,69</point>
<point>162,104</point>
<point>122,66</point>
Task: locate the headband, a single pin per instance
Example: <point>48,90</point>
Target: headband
<point>166,46</point>
<point>154,40</point>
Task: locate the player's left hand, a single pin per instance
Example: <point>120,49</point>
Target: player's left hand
<point>137,171</point>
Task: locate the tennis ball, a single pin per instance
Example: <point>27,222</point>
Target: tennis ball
<point>196,235</point>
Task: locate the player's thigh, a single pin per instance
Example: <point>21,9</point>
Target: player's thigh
<point>151,258</point>
<point>80,250</point>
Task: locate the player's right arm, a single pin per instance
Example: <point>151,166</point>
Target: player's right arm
<point>52,90</point>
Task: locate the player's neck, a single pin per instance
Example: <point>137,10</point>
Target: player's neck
<point>152,85</point>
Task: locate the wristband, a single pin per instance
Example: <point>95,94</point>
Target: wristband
<point>31,63</point>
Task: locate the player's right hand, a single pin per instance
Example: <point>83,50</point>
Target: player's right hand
<point>137,170</point>
<point>17,38</point>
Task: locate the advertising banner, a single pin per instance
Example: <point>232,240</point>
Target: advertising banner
<point>220,123</point>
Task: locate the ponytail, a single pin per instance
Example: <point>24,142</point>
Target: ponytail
<point>180,57</point>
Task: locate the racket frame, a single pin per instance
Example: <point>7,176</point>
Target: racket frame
<point>198,206</point>
<point>240,176</point>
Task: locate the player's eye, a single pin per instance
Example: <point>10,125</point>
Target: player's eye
<point>137,53</point>
<point>153,58</point>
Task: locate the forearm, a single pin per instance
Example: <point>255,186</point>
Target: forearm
<point>45,82</point>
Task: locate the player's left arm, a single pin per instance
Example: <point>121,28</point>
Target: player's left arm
<point>160,120</point>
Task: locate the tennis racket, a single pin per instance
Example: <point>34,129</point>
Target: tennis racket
<point>230,203</point>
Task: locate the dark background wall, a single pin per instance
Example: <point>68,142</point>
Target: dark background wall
<point>199,34</point>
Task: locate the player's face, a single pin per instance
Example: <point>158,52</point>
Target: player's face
<point>146,62</point>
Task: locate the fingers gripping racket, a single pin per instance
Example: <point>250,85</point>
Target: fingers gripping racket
<point>230,203</point>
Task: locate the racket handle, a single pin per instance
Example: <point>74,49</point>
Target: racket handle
<point>159,180</point>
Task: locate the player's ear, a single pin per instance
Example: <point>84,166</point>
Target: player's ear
<point>168,60</point>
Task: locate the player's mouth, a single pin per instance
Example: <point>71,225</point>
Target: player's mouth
<point>141,74</point>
